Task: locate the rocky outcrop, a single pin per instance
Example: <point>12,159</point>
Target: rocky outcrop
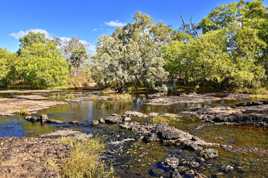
<point>163,133</point>
<point>183,99</point>
<point>168,135</point>
<point>43,119</point>
<point>254,115</point>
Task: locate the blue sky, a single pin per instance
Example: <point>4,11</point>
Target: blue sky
<point>89,19</point>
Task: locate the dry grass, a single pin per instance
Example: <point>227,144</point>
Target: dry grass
<point>84,160</point>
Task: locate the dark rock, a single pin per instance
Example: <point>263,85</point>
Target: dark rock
<point>51,121</point>
<point>195,164</point>
<point>151,138</point>
<point>33,118</point>
<point>37,118</point>
<point>176,175</point>
<point>77,123</point>
<point>209,153</point>
<point>253,114</point>
<point>114,119</point>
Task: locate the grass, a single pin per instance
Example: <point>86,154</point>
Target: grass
<point>161,120</point>
<point>23,112</point>
<point>171,121</point>
<point>61,97</point>
<point>114,97</point>
<point>84,160</point>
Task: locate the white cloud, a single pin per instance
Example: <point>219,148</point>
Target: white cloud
<point>22,33</point>
<point>115,24</point>
<point>64,40</point>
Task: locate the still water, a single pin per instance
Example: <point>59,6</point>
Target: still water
<point>85,111</point>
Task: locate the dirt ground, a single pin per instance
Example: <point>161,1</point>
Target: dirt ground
<point>35,157</point>
<point>25,104</point>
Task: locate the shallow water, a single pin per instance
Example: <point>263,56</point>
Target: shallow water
<point>141,158</point>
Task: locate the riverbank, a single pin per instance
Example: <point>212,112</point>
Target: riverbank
<point>25,104</point>
<point>141,140</point>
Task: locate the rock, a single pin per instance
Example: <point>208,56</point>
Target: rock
<point>77,123</point>
<point>44,118</point>
<point>126,119</point>
<point>190,173</point>
<point>33,118</point>
<point>227,168</point>
<point>209,153</point>
<point>172,162</point>
<point>52,121</point>
<point>95,122</point>
<point>114,119</point>
<point>182,169</point>
<point>253,114</point>
<point>150,138</point>
<point>183,99</point>
<point>195,164</point>
<point>67,133</point>
<point>37,118</point>
<point>166,134</point>
<point>135,114</point>
<point>153,114</point>
<point>176,175</point>
<point>122,141</point>
<point>102,121</point>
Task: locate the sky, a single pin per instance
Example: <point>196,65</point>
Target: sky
<point>90,19</point>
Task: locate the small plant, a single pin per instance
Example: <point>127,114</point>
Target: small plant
<point>61,97</point>
<point>84,160</point>
<point>161,120</point>
<point>23,112</point>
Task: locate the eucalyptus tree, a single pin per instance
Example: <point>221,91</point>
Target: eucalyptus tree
<point>131,56</point>
<point>76,53</point>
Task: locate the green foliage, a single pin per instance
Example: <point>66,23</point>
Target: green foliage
<point>200,60</point>
<point>41,66</point>
<point>231,52</point>
<point>32,38</point>
<point>7,62</point>
<point>132,55</point>
<point>75,52</point>
<point>210,59</point>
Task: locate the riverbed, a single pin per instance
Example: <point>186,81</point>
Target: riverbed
<point>134,158</point>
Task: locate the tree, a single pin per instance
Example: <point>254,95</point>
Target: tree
<point>7,62</point>
<point>223,57</point>
<point>31,38</point>
<point>76,53</point>
<point>41,65</point>
<point>132,55</point>
<point>202,59</point>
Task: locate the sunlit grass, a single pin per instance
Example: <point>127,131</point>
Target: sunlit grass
<point>84,160</point>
